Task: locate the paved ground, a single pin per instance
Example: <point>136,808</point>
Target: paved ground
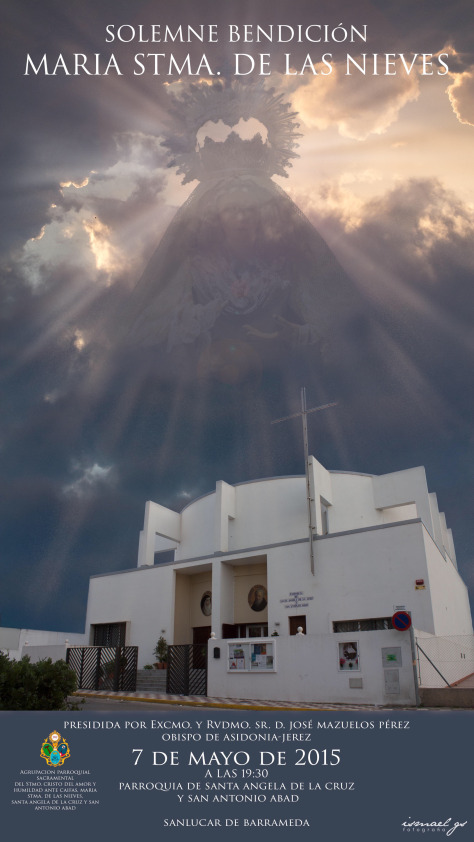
<point>154,699</point>
<point>90,705</point>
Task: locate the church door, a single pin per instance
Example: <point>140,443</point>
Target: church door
<point>201,634</point>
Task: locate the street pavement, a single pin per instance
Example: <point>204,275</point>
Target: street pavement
<point>169,702</point>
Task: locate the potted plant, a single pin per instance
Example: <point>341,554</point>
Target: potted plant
<point>108,669</point>
<point>161,653</point>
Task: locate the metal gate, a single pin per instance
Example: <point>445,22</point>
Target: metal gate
<point>104,667</point>
<point>187,670</point>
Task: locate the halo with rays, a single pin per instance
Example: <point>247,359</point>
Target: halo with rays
<point>230,103</point>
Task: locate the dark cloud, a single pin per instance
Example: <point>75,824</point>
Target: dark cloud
<point>430,25</point>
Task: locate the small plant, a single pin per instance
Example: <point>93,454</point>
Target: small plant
<point>161,650</point>
<point>108,669</point>
<point>148,667</point>
<point>275,634</point>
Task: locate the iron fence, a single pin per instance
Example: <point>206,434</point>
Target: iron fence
<point>187,670</point>
<point>104,667</point>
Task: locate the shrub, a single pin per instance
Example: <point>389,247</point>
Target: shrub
<point>42,686</point>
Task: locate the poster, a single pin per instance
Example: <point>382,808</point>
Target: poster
<point>114,392</point>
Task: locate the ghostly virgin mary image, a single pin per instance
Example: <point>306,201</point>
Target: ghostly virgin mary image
<point>240,269</point>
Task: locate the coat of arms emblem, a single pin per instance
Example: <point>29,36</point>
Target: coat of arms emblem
<point>55,750</point>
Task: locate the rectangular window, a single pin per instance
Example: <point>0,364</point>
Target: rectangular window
<point>256,630</point>
<point>324,519</point>
<point>370,624</point>
<point>231,630</point>
<point>109,634</point>
<point>164,556</point>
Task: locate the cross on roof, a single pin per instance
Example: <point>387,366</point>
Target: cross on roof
<point>303,415</point>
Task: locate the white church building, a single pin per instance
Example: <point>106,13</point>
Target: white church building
<point>294,583</point>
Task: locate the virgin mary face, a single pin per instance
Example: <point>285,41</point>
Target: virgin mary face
<point>239,218</point>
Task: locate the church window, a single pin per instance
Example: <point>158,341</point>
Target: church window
<point>109,634</point>
<point>370,624</point>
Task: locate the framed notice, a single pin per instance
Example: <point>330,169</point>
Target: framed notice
<point>253,657</point>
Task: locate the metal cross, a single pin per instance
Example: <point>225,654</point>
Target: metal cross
<point>303,414</point>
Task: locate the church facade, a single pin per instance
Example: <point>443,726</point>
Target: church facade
<point>292,617</point>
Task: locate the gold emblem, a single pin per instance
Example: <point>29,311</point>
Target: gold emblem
<point>55,750</point>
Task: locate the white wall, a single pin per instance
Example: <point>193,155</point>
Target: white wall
<point>225,510</point>
<point>448,593</point>
<point>57,652</point>
<point>357,575</point>
<point>269,511</point>
<point>307,670</point>
<point>353,503</point>
<point>379,543</point>
<point>402,487</point>
<point>9,640</point>
<point>197,528</point>
<point>161,531</point>
<point>144,599</point>
<point>263,512</point>
<point>17,642</point>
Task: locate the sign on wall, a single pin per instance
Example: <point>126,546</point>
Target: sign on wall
<point>391,656</point>
<point>296,599</point>
<point>349,655</point>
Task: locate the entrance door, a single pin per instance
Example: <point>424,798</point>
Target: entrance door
<point>201,634</point>
<point>296,622</point>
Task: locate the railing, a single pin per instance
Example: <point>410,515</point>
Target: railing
<point>104,667</point>
<point>187,670</point>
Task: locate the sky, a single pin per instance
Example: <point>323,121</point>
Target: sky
<point>91,429</point>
